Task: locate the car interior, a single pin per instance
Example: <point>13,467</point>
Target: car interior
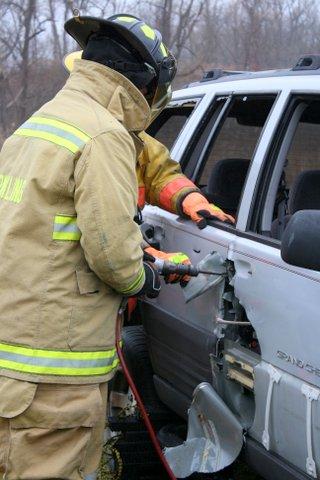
<point>226,164</point>
<point>226,158</point>
<point>299,185</point>
<point>226,182</point>
<point>303,195</point>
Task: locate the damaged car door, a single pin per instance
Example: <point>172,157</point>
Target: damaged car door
<point>186,339</point>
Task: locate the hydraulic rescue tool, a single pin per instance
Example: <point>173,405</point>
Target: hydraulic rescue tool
<point>167,268</point>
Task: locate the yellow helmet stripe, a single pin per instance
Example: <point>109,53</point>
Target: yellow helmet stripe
<point>126,19</point>
<point>148,31</point>
<point>163,49</point>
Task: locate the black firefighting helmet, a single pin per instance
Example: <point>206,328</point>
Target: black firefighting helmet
<point>143,42</point>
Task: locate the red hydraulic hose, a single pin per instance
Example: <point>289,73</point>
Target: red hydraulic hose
<point>139,401</point>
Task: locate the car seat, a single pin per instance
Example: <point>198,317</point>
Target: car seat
<point>226,182</point>
<point>303,195</point>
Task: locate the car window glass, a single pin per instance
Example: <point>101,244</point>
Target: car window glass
<point>296,171</point>
<point>225,166</point>
<point>167,126</point>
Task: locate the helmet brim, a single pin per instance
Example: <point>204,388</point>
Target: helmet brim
<point>81,28</point>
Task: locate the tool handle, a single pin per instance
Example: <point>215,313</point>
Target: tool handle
<point>168,268</point>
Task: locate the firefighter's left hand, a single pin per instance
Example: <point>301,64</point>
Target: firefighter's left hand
<point>176,258</point>
<point>197,207</point>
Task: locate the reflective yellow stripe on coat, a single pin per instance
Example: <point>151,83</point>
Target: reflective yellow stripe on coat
<point>136,285</point>
<point>52,362</point>
<point>65,228</point>
<point>55,131</point>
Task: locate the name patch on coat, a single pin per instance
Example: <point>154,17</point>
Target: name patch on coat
<point>11,188</point>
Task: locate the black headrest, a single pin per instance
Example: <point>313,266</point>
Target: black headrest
<point>305,192</point>
<point>226,182</point>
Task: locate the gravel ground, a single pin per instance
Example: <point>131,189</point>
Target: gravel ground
<point>238,471</point>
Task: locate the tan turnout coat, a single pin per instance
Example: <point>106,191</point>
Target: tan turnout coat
<point>69,247</point>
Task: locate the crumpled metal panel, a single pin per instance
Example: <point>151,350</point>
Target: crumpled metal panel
<point>214,437</point>
<point>199,285</point>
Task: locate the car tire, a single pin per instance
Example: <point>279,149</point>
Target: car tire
<point>137,357</point>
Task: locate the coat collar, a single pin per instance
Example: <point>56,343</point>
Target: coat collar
<point>113,91</point>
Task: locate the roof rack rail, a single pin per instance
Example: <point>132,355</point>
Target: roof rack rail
<point>308,62</point>
<point>218,73</point>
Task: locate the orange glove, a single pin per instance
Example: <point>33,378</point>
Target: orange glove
<point>176,258</point>
<point>197,207</point>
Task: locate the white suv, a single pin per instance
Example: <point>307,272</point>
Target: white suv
<point>245,355</point>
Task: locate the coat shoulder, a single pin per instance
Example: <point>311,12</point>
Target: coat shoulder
<point>85,114</point>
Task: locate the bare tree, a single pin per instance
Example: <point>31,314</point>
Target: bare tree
<point>21,26</point>
<point>176,20</point>
<point>236,34</point>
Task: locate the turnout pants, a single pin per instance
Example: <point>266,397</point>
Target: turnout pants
<point>50,431</point>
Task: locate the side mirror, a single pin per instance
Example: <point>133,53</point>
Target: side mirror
<point>301,240</point>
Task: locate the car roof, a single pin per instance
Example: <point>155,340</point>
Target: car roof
<point>254,83</point>
<point>246,75</point>
<point>298,77</point>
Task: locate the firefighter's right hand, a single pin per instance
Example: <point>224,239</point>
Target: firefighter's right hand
<point>152,284</point>
<point>176,258</point>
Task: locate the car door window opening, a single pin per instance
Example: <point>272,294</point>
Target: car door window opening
<point>227,146</point>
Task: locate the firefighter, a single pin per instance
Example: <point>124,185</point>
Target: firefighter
<point>71,250</point>
<point>160,179</point>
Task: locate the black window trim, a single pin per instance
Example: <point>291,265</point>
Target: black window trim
<point>277,95</point>
<point>185,98</point>
<point>204,121</point>
<point>271,242</point>
<point>217,123</point>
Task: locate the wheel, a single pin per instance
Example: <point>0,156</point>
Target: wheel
<point>136,353</point>
<point>140,462</point>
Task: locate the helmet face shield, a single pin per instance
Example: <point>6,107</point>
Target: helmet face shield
<point>161,99</point>
<point>162,92</point>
